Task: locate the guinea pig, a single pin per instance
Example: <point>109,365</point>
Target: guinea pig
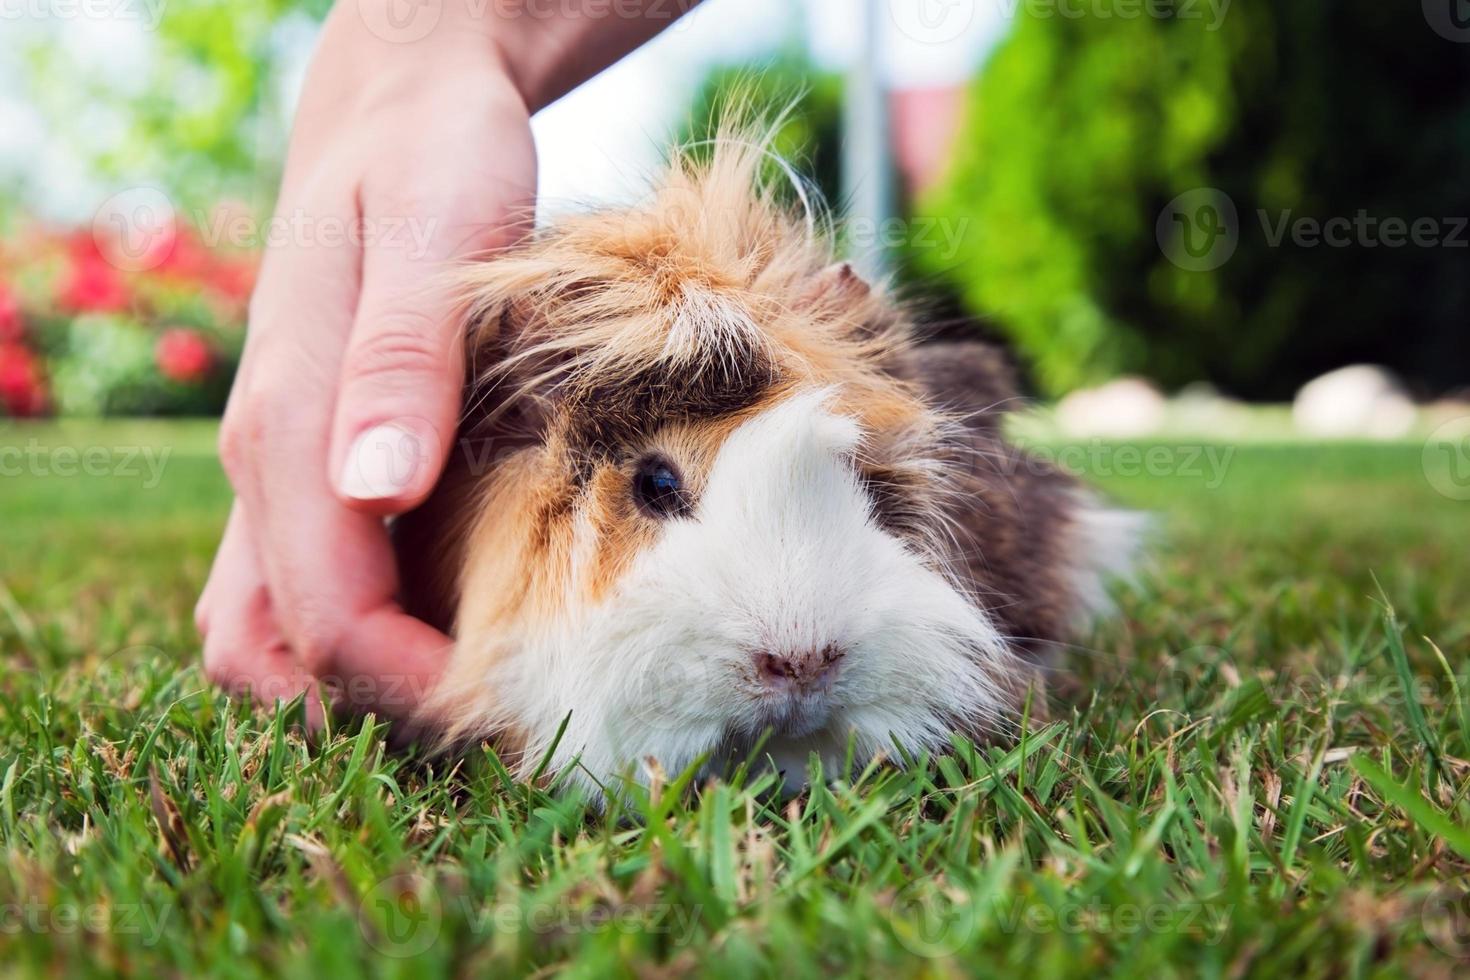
<point>709,493</point>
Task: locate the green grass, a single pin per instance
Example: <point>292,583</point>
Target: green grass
<point>1258,770</point>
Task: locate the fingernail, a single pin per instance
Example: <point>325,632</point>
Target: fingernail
<point>381,463</point>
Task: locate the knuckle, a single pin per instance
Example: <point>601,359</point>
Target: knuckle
<point>400,353</point>
<point>231,448</point>
<point>237,440</point>
<point>247,429</point>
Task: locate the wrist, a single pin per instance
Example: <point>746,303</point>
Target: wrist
<point>376,52</point>
<point>545,49</point>
<point>511,33</point>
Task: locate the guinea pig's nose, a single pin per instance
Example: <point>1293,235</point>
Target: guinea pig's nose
<point>798,669</point>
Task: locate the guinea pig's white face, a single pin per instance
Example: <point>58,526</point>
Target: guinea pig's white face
<point>769,598</point>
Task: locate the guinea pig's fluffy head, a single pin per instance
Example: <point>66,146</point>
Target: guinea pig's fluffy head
<point>701,500</point>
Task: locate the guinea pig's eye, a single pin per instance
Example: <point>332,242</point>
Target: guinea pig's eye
<point>658,489</point>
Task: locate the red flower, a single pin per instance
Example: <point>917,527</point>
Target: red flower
<point>137,234</point>
<point>233,278</point>
<point>10,323</point>
<point>92,284</point>
<point>22,389</point>
<point>182,355</point>
<point>187,258</point>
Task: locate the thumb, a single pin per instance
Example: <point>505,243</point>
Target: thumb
<point>399,396</point>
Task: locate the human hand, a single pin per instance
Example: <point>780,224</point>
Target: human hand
<point>347,398</point>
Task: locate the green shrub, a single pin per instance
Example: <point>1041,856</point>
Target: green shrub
<point>1081,130</point>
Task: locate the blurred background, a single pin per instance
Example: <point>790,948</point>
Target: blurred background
<point>1166,209</point>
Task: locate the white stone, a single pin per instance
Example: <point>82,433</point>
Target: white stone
<point>1123,409</point>
<point>1199,409</point>
<point>1447,410</point>
<point>1363,401</point>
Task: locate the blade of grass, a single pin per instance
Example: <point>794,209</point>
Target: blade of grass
<point>1413,803</point>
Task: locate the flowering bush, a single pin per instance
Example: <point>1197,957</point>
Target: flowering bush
<point>87,328</point>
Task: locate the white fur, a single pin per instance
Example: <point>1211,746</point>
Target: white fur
<point>1105,544</point>
<point>781,553</point>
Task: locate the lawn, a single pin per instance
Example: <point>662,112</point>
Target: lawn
<point>1260,769</point>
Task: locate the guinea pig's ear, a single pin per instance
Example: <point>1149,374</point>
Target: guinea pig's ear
<point>837,295</point>
<point>836,286</point>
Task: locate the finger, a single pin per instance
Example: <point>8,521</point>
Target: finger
<point>274,438</point>
<point>398,406</point>
<point>330,569</point>
<point>390,662</point>
<point>244,653</point>
<point>220,573</point>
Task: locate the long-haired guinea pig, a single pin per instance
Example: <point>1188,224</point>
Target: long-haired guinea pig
<point>709,491</point>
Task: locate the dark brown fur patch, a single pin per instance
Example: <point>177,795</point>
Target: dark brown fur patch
<point>600,420</point>
<point>1010,511</point>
